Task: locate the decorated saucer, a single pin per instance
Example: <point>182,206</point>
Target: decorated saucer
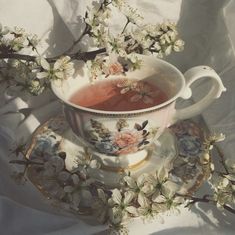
<point>58,155</point>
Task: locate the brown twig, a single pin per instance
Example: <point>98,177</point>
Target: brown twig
<point>25,162</point>
<point>78,56</point>
<point>205,199</point>
<point>124,28</point>
<point>222,159</point>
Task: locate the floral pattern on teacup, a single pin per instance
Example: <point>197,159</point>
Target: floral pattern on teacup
<point>124,140</point>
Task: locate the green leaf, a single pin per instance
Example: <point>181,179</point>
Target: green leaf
<point>146,142</point>
<point>144,124</point>
<point>138,127</point>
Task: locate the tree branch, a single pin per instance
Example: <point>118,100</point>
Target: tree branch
<point>207,200</point>
<point>17,56</point>
<point>78,56</point>
<point>124,28</point>
<point>222,158</point>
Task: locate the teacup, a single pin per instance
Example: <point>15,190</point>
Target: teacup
<point>98,130</point>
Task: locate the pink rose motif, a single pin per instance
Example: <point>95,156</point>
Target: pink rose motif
<point>128,141</point>
<point>114,68</point>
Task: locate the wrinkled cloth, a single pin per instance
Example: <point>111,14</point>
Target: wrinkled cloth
<point>207,28</point>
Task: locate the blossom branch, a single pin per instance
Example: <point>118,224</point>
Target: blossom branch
<point>79,56</point>
<point>17,56</point>
<point>25,162</point>
<point>222,159</point>
<point>205,199</point>
<point>125,26</point>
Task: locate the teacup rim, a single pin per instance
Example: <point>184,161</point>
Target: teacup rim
<point>138,111</point>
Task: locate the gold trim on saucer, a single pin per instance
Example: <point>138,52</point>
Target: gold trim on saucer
<point>198,180</point>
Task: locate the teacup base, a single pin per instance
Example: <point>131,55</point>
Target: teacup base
<point>161,154</point>
<point>72,144</point>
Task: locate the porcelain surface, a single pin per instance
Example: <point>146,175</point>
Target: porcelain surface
<point>100,130</point>
<point>178,150</point>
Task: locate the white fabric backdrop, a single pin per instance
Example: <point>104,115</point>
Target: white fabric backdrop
<point>207,28</point>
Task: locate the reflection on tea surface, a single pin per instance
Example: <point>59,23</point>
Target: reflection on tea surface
<point>119,95</point>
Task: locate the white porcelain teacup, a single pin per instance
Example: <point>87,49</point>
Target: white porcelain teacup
<point>98,129</point>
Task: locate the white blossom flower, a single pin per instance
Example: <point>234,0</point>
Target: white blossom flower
<point>118,3</point>
<point>100,35</point>
<point>116,45</point>
<point>219,137</point>
<point>18,43</point>
<point>104,14</point>
<point>147,43</point>
<point>62,69</point>
<point>139,34</point>
<point>18,31</point>
<point>126,85</point>
<point>230,163</point>
<point>144,93</point>
<point>95,68</point>
<point>3,30</point>
<point>147,209</point>
<point>35,87</point>
<point>160,183</point>
<point>78,192</point>
<point>139,185</point>
<point>95,17</point>
<point>178,45</point>
<point>48,70</point>
<point>132,14</point>
<point>135,62</point>
<point>224,191</point>
<point>212,167</point>
<point>167,201</point>
<point>205,158</point>
<point>91,18</point>
<point>121,207</point>
<point>33,40</point>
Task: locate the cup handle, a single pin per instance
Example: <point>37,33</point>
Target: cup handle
<point>191,76</point>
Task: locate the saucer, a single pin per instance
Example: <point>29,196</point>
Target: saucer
<point>178,150</point>
<point>161,154</point>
